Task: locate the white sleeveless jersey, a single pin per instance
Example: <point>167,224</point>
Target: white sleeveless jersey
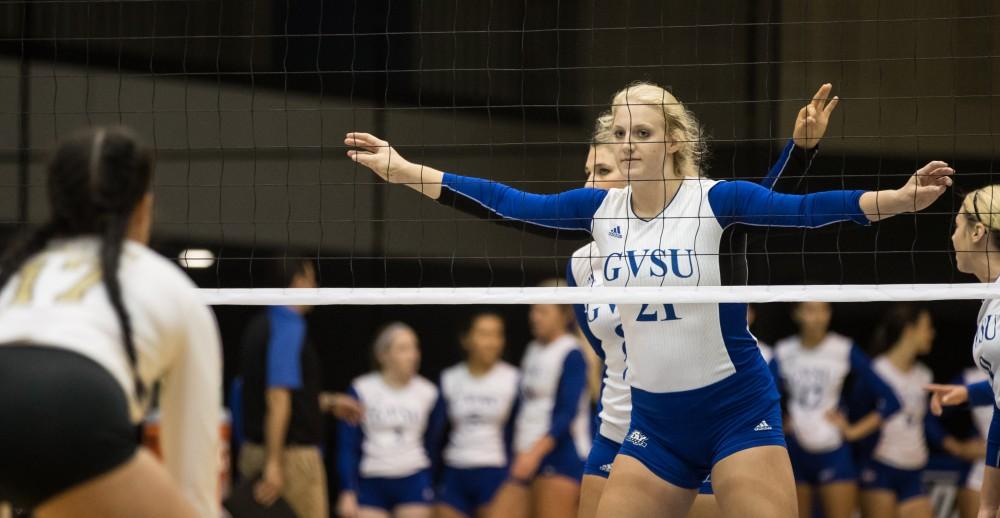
<point>394,425</point>
<point>814,379</point>
<point>986,347</point>
<point>58,299</point>
<point>605,325</point>
<point>671,347</point>
<point>902,444</point>
<point>540,374</point>
<point>479,409</point>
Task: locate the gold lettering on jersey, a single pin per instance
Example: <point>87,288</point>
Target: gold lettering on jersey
<point>26,285</point>
<point>75,293</point>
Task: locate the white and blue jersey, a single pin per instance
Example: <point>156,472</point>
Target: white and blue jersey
<point>695,360</point>
<point>481,412</point>
<point>986,354</point>
<point>981,401</point>
<point>554,403</point>
<point>387,457</point>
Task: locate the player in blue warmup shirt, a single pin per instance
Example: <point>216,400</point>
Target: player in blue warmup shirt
<point>385,462</point>
<point>706,403</point>
<point>480,396</point>
<point>977,251</point>
<point>601,325</point>
<point>814,369</point>
<point>552,427</point>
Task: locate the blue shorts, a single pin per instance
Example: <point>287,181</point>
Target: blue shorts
<point>821,468</point>
<point>602,456</point>
<point>387,493</point>
<point>564,460</point>
<point>905,483</point>
<point>679,436</point>
<point>468,489</point>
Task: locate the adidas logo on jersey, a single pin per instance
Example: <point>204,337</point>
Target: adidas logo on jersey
<point>762,427</point>
<point>638,438</point>
<point>616,232</point>
<point>606,468</point>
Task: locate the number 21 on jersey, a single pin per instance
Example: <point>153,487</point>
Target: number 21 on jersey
<point>652,312</point>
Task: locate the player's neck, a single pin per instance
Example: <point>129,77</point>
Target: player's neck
<point>902,357</point>
<point>811,339</point>
<point>478,368</point>
<point>395,379</point>
<point>988,267</point>
<point>651,197</point>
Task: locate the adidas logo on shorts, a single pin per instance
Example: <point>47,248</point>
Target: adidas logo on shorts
<point>616,232</point>
<point>606,468</point>
<point>638,438</point>
<point>763,426</point>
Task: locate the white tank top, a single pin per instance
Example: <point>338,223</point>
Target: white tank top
<point>479,409</point>
<point>902,443</point>
<point>58,299</point>
<point>394,425</point>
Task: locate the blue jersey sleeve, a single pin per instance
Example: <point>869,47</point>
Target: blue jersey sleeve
<point>981,394</point>
<point>284,348</point>
<point>792,160</point>
<point>434,433</point>
<point>349,439</point>
<point>572,383</point>
<point>751,204</point>
<point>993,440</point>
<point>933,430</point>
<point>508,429</point>
<point>888,403</point>
<point>570,210</point>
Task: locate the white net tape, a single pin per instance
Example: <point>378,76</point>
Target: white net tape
<point>627,295</point>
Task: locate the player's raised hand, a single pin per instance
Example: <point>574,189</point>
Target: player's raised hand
<point>376,154</point>
<point>813,118</point>
<point>922,188</point>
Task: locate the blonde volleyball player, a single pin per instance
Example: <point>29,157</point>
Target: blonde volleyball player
<point>665,230</point>
<point>90,320</point>
<point>385,462</point>
<point>977,251</point>
<point>601,324</point>
<point>480,396</point>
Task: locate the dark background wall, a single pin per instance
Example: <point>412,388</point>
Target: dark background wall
<point>246,103</point>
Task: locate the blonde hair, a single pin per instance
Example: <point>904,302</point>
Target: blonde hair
<point>680,124</point>
<point>602,130</point>
<point>385,337</point>
<point>983,206</point>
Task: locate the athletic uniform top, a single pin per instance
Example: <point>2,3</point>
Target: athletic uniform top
<point>481,411</point>
<point>58,299</point>
<point>814,380</point>
<point>602,327</point>
<point>980,398</point>
<point>398,434</point>
<point>903,443</point>
<point>673,349</point>
<point>277,353</point>
<point>986,348</point>
<point>553,399</point>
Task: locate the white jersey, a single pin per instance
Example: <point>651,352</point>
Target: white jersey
<point>479,410</point>
<point>982,416</point>
<point>902,444</point>
<point>394,425</point>
<point>605,326</point>
<point>986,347</point>
<point>541,371</point>
<point>814,379</point>
<point>58,299</point>
<point>661,252</point>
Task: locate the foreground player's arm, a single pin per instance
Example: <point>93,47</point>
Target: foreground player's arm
<point>980,394</point>
<point>190,402</point>
<point>810,126</point>
<point>748,203</point>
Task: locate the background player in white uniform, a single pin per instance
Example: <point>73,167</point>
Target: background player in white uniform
<point>552,428</point>
<point>662,230</point>
<point>385,462</point>
<point>480,396</point>
<point>815,368</point>
<point>892,482</point>
<point>977,251</point>
<point>90,319</point>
